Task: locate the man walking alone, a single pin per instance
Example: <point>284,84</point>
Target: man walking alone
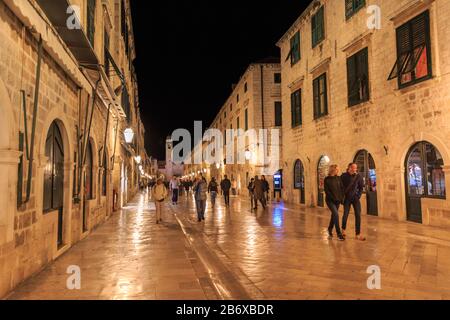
<point>225,185</point>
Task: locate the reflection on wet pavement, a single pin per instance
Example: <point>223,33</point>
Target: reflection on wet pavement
<point>279,253</point>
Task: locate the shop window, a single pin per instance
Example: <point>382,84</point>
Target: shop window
<point>425,172</point>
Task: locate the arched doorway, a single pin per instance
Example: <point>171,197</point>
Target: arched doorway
<point>88,184</point>
<point>367,169</point>
<point>299,180</point>
<point>322,172</point>
<point>424,177</point>
<point>54,176</point>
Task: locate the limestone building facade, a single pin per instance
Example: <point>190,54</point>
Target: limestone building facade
<point>368,82</point>
<point>68,91</point>
<point>254,103</point>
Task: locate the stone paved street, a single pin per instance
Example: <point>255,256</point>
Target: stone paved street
<point>281,253</point>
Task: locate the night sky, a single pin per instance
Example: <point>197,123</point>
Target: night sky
<point>189,53</point>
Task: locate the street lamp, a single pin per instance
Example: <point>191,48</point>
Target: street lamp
<point>129,135</point>
<point>248,155</point>
<point>138,159</point>
<point>218,166</point>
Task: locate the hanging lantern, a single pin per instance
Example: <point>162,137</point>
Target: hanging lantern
<point>129,135</point>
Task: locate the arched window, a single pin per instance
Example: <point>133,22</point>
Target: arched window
<point>299,175</point>
<point>299,180</point>
<point>54,170</point>
<point>88,179</point>
<point>366,167</point>
<point>425,174</point>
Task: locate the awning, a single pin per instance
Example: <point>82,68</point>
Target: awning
<point>76,40</point>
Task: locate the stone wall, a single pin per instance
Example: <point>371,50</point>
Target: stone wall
<point>389,124</point>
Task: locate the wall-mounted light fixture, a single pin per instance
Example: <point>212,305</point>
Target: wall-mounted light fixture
<point>129,135</point>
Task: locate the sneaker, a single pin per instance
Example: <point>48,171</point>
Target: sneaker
<point>341,238</point>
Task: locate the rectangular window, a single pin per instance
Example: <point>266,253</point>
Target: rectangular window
<point>238,125</point>
<point>237,98</point>
<point>294,52</point>
<point>106,53</point>
<point>318,27</point>
<point>353,6</point>
<point>246,119</point>
<point>358,78</point>
<point>296,108</point>
<point>277,77</point>
<point>245,87</point>
<point>278,114</point>
<point>413,63</point>
<point>90,29</point>
<point>320,96</point>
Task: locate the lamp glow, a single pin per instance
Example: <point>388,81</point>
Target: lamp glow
<point>129,135</point>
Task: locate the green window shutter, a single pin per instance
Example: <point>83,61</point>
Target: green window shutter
<point>91,21</point>
<point>348,8</point>
<point>316,98</point>
<point>318,27</point>
<point>292,110</point>
<point>351,81</point>
<point>321,24</point>
<point>313,30</point>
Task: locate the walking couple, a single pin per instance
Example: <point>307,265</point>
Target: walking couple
<point>258,190</point>
<point>347,190</point>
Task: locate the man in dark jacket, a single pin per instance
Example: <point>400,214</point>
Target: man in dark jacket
<point>225,185</point>
<point>353,189</point>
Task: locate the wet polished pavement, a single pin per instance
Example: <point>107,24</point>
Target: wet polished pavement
<point>280,253</point>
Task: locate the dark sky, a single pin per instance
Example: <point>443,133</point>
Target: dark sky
<point>190,52</point>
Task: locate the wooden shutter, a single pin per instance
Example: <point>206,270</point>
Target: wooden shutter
<point>351,80</point>
<point>293,110</point>
<point>321,24</point>
<point>316,94</point>
<point>348,8</point>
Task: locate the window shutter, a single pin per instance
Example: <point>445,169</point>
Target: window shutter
<point>403,39</point>
<point>299,107</point>
<point>321,24</point>
<point>316,98</point>
<point>293,110</point>
<point>351,80</point>
<point>348,8</point>
<point>419,30</point>
<point>314,30</point>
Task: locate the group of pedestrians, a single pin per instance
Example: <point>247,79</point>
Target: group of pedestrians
<point>344,190</point>
<point>258,191</point>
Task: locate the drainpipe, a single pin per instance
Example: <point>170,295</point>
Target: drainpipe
<point>35,110</point>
